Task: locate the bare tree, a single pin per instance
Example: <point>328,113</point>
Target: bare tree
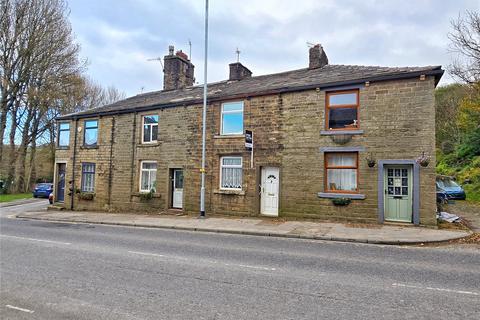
<point>465,39</point>
<point>38,54</point>
<point>97,96</point>
<point>41,78</point>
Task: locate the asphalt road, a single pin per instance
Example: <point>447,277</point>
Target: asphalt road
<point>79,271</point>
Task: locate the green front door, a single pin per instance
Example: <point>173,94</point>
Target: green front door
<point>398,193</point>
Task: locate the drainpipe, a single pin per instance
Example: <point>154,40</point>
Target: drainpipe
<point>72,196</point>
<point>110,169</point>
<point>134,132</point>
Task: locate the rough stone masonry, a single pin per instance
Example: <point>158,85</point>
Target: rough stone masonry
<point>287,113</point>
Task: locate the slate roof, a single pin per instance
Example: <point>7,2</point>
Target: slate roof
<point>295,80</point>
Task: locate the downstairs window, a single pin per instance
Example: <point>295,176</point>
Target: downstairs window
<point>341,172</point>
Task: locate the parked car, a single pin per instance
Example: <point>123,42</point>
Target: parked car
<point>450,188</point>
<point>43,190</point>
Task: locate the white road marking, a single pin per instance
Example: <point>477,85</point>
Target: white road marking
<point>214,261</point>
<point>436,289</point>
<point>38,240</point>
<point>251,267</point>
<point>147,254</point>
<point>19,309</point>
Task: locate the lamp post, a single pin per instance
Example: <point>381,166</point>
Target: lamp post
<point>204,116</point>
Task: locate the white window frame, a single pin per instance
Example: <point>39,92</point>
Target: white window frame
<point>240,166</point>
<point>140,176</point>
<point>84,173</point>
<point>151,131</point>
<point>227,112</point>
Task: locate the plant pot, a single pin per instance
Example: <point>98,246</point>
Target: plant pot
<point>371,163</point>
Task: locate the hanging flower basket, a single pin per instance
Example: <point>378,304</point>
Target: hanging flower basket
<point>370,160</point>
<point>423,160</point>
<point>341,201</point>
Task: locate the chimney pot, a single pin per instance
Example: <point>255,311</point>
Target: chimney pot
<point>317,57</point>
<point>182,54</point>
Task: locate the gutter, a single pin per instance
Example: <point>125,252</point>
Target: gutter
<point>436,72</point>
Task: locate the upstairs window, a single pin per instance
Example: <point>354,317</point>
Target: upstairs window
<point>91,133</point>
<point>148,176</point>
<point>150,128</point>
<point>231,173</point>
<point>63,134</point>
<point>342,110</point>
<point>341,172</point>
<point>88,177</point>
<point>232,118</point>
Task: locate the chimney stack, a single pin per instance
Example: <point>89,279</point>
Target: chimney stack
<point>238,71</point>
<point>318,57</point>
<point>178,70</point>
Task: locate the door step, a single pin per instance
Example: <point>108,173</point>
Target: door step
<point>175,212</point>
<point>55,207</point>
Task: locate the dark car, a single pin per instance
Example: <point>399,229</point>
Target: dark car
<point>43,190</point>
<point>450,188</point>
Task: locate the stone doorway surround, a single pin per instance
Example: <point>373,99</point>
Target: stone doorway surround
<point>415,185</point>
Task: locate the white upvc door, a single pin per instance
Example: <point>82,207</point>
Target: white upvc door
<point>270,191</point>
<point>177,201</point>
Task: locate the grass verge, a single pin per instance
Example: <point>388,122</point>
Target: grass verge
<point>14,196</point>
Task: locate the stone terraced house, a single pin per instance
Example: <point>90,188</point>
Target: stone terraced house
<point>321,135</point>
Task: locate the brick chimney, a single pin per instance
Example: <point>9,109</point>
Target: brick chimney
<point>318,57</point>
<point>238,71</point>
<point>177,70</point>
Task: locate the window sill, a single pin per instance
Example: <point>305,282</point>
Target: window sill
<point>226,136</point>
<point>340,132</point>
<point>146,145</point>
<point>62,148</point>
<point>232,192</point>
<point>89,147</point>
<point>155,195</point>
<point>331,195</point>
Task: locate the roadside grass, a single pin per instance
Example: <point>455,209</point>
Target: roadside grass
<point>473,193</point>
<point>14,196</point>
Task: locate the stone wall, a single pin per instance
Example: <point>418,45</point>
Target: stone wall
<point>397,119</point>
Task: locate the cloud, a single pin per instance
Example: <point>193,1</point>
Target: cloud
<point>118,37</point>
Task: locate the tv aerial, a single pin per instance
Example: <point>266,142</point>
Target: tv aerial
<point>157,59</point>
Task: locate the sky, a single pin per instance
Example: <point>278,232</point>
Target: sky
<point>118,37</point>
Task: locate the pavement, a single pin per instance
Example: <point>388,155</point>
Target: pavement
<point>79,271</point>
<point>365,233</point>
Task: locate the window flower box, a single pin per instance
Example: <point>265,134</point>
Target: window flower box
<point>88,196</point>
<point>341,201</point>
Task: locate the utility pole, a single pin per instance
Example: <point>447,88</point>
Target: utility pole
<point>204,117</point>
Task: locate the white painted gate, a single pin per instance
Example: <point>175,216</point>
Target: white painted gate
<point>270,191</point>
<point>177,201</point>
